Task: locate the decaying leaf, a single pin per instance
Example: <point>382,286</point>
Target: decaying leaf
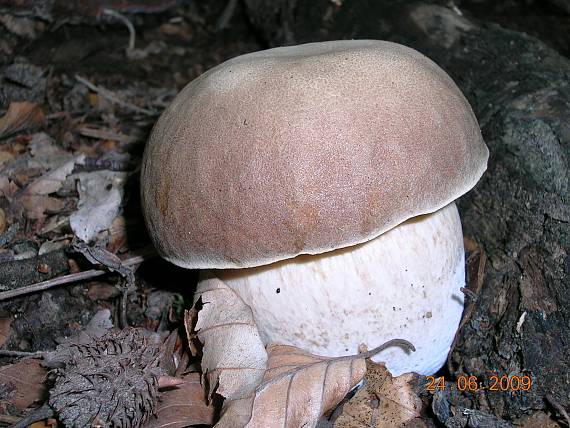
<point>46,153</point>
<point>52,180</point>
<point>24,382</point>
<point>58,165</point>
<point>100,198</point>
<point>234,358</point>
<point>20,116</point>
<point>298,388</point>
<point>537,419</point>
<point>37,206</point>
<point>384,401</point>
<point>183,406</point>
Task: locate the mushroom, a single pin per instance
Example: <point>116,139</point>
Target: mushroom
<point>318,182</point>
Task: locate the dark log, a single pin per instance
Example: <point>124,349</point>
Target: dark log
<point>519,212</point>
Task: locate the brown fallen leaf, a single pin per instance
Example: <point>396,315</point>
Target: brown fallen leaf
<point>183,406</point>
<point>20,116</point>
<point>384,401</point>
<point>51,181</point>
<point>298,388</point>
<point>37,206</point>
<point>537,419</point>
<point>24,380</point>
<point>234,358</point>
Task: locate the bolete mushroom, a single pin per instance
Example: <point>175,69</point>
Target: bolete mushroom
<point>318,182</point>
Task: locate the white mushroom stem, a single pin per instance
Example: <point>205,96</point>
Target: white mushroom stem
<point>404,284</point>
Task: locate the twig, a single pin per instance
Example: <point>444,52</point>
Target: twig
<point>107,134</point>
<point>226,15</point>
<point>111,96</point>
<point>129,25</point>
<point>20,354</point>
<point>123,307</point>
<point>74,277</point>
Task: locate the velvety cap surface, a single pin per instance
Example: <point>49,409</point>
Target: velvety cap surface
<point>305,149</point>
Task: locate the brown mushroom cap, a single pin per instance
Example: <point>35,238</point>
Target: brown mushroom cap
<point>305,149</point>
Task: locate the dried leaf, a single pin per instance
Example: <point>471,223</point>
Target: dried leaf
<point>37,206</point>
<point>183,406</point>
<point>20,116</point>
<point>297,389</point>
<point>5,156</point>
<point>100,198</point>
<point>537,419</point>
<point>52,180</point>
<point>234,358</point>
<point>46,153</point>
<point>58,165</point>
<point>24,380</point>
<point>384,401</point>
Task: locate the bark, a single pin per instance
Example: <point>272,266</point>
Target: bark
<point>519,211</point>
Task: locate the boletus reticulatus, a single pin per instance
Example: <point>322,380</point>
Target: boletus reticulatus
<point>318,181</point>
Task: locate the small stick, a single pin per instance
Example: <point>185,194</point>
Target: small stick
<point>107,134</point>
<point>20,354</point>
<point>111,96</point>
<point>66,279</point>
<point>123,307</point>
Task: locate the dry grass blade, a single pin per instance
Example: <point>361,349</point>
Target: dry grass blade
<point>234,358</point>
<point>24,382</point>
<point>108,134</point>
<point>183,406</point>
<point>111,96</point>
<point>298,388</point>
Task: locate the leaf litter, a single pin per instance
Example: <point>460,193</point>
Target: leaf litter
<point>383,401</point>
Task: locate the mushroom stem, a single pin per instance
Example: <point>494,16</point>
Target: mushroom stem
<point>405,283</point>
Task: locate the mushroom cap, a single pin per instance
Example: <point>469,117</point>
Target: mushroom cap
<point>303,150</point>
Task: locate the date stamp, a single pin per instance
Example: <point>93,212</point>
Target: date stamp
<point>495,383</point>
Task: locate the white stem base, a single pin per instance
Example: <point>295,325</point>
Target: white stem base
<point>404,284</point>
